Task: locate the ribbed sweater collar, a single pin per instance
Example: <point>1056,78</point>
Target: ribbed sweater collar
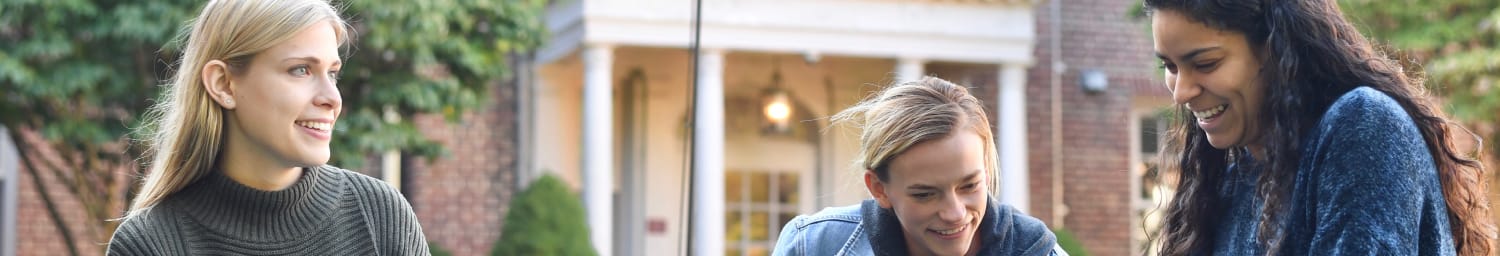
<point>234,210</point>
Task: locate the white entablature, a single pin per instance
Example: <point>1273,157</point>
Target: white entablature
<point>996,32</point>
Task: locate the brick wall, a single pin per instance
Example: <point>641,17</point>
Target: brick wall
<point>461,199</point>
<point>37,233</point>
<point>1095,164</point>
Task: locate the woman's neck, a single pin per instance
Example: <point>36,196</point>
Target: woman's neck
<point>1256,151</point>
<point>253,167</point>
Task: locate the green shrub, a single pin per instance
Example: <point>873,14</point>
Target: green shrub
<point>1069,243</point>
<point>435,250</point>
<point>546,219</point>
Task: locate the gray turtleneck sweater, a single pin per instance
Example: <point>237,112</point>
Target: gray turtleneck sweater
<point>328,211</point>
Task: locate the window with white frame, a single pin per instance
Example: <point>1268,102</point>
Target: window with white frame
<point>757,205</point>
<point>1149,190</point>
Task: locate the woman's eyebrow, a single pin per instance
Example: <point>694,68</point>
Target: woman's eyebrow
<point>312,59</point>
<point>1190,54</point>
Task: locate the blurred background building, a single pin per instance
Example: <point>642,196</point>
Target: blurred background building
<point>625,65</point>
<point>603,101</point>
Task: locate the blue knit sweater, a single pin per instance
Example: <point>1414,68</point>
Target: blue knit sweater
<point>1366,185</point>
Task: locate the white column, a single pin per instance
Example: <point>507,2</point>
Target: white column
<point>598,169</point>
<point>10,168</point>
<point>708,156</point>
<point>1012,137</point>
<point>909,69</point>
<point>390,163</point>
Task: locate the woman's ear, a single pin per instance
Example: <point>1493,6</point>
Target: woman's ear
<point>877,189</point>
<point>217,83</point>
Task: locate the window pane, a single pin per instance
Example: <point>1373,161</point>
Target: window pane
<point>734,186</point>
<point>734,227</point>
<point>1149,132</point>
<point>757,251</point>
<point>760,186</point>
<point>788,186</point>
<point>759,226</point>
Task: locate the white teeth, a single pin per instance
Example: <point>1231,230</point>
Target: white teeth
<point>1210,112</point>
<point>950,231</point>
<point>321,126</point>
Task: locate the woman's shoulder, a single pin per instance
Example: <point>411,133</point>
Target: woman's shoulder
<point>829,216</point>
<point>155,220</point>
<point>149,231</point>
<point>1366,137</point>
<point>833,220</point>
<point>822,233</point>
<point>1023,234</point>
<point>1365,119</point>
<point>1021,223</point>
<point>359,180</point>
<point>1365,107</point>
<point>388,213</point>
<point>368,189</point>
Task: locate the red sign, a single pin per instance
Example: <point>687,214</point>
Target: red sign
<point>656,226</point>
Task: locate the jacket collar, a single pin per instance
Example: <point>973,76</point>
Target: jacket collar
<point>883,230</point>
<point>1003,231</point>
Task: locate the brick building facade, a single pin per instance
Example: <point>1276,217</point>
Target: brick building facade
<point>461,199</point>
<point>37,233</point>
<point>1096,165</point>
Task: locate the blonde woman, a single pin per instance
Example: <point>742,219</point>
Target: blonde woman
<point>927,153</point>
<point>240,141</point>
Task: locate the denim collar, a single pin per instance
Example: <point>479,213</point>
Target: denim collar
<point>883,229</point>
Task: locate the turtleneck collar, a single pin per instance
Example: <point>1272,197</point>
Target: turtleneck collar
<point>230,208</point>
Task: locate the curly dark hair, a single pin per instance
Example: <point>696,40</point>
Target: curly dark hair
<point>1311,55</point>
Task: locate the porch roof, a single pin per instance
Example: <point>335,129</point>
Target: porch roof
<point>998,32</point>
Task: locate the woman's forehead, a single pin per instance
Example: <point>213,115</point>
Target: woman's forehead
<point>316,42</point>
<point>1178,38</point>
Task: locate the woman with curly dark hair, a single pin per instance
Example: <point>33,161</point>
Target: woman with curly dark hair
<point>1295,136</point>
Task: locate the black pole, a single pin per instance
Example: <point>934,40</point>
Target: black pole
<point>692,119</point>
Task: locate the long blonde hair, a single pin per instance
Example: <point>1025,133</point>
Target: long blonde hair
<point>909,113</point>
<point>185,129</point>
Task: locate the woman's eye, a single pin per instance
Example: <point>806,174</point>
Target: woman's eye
<point>970,186</point>
<point>1169,67</point>
<point>298,71</point>
<point>333,75</point>
<point>921,195</point>
<point>1207,66</point>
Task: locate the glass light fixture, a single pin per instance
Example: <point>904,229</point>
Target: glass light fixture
<point>777,106</point>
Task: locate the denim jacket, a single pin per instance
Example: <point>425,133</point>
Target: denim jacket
<point>867,229</point>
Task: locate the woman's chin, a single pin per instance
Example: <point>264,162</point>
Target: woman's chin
<point>314,159</point>
<point>1220,143</point>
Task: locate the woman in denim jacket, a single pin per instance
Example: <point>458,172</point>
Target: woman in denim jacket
<point>927,152</point>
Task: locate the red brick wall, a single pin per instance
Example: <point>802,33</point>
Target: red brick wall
<point>1095,34</point>
<point>37,235</point>
<point>36,232</point>
<point>461,199</point>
